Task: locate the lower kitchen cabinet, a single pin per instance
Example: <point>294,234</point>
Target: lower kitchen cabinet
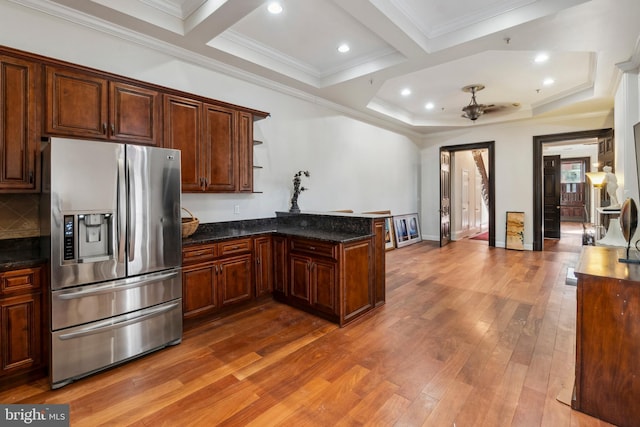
<point>198,290</point>
<point>313,283</point>
<point>234,280</point>
<point>332,280</point>
<point>263,255</point>
<point>22,344</point>
<point>215,276</point>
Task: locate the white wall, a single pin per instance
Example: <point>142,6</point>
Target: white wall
<point>513,167</point>
<point>353,165</point>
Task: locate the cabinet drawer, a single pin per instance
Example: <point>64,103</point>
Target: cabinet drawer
<point>314,247</point>
<point>237,246</point>
<point>20,281</point>
<point>199,253</point>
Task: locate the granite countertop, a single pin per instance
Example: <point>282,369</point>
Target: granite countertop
<point>20,253</point>
<point>334,228</point>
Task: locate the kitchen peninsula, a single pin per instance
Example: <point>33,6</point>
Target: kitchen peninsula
<point>329,264</point>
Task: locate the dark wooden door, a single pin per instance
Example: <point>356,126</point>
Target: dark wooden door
<point>445,197</point>
<point>183,131</point>
<point>551,196</point>
<point>135,114</point>
<point>235,280</point>
<point>264,265</point>
<point>220,135</point>
<point>76,104</point>
<point>19,148</point>
<point>245,152</point>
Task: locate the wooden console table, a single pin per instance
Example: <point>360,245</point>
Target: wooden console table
<point>608,337</point>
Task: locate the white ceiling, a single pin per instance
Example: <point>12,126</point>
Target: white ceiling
<point>433,47</point>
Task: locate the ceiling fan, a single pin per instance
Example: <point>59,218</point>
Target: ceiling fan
<point>475,110</point>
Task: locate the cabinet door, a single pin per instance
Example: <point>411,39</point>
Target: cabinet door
<point>264,266</point>
<point>183,131</point>
<point>245,152</point>
<point>220,137</point>
<point>299,276</point>
<point>323,286</point>
<point>20,332</point>
<point>135,114</point>
<point>198,290</point>
<point>280,265</point>
<point>76,104</point>
<point>234,280</point>
<point>19,131</point>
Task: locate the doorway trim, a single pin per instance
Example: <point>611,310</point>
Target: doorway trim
<point>538,144</point>
<point>490,147</point>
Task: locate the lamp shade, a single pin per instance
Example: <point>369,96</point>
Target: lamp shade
<point>596,178</point>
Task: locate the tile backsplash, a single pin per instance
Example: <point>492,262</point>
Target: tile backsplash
<point>19,216</point>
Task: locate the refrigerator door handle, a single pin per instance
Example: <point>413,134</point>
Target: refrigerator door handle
<point>117,285</point>
<point>109,324</point>
<point>121,239</point>
<point>131,215</point>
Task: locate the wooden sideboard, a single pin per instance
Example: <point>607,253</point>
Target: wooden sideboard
<point>608,337</point>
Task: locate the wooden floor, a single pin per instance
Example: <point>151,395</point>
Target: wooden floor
<point>470,336</point>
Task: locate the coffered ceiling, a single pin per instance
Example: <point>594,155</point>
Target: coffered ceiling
<point>431,48</point>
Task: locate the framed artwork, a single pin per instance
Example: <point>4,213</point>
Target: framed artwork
<point>389,235</point>
<point>407,229</point>
<point>515,231</point>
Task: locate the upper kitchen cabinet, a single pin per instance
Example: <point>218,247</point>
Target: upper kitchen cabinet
<point>19,145</point>
<point>90,105</point>
<point>216,143</point>
<point>183,131</point>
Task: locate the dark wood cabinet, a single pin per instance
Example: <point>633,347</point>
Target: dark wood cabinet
<point>280,265</point>
<point>198,290</point>
<point>220,138</point>
<point>379,273</point>
<point>19,125</point>
<point>136,114</point>
<point>216,144</point>
<point>357,285</point>
<point>334,280</point>
<point>216,275</point>
<point>245,151</point>
<point>22,344</point>
<point>234,280</point>
<point>607,330</point>
<point>264,265</point>
<point>183,131</point>
<point>312,280</point>
<point>88,105</point>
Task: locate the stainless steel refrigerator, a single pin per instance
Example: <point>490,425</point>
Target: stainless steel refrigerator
<point>111,219</point>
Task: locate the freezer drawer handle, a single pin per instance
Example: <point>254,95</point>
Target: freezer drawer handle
<point>115,286</point>
<point>108,325</point>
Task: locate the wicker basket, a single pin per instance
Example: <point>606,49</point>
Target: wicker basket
<point>189,225</point>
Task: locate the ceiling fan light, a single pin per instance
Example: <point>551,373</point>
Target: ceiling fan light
<point>472,112</point>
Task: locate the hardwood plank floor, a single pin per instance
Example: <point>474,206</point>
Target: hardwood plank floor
<point>469,336</point>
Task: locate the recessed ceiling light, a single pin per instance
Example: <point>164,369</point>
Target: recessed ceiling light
<point>429,106</point>
<point>274,7</point>
<point>541,57</point>
<point>405,92</point>
<point>548,81</point>
<point>344,48</point>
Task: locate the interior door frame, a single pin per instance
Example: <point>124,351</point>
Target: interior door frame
<point>538,144</point>
<point>490,147</point>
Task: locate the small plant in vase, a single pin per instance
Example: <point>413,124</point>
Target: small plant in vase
<point>297,189</point>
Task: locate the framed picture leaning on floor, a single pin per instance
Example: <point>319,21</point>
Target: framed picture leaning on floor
<point>407,229</point>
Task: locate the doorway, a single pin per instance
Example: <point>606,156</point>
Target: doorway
<point>447,196</point>
<point>539,143</point>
